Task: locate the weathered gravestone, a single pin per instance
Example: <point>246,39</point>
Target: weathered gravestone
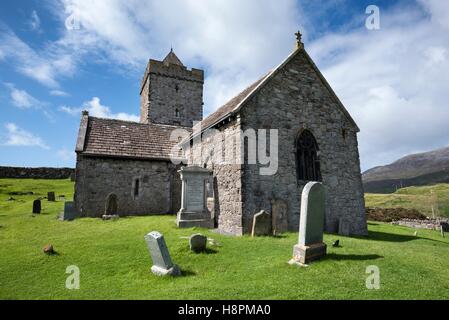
<point>261,224</point>
<point>51,196</point>
<point>162,263</point>
<point>311,224</point>
<point>279,216</point>
<point>344,227</point>
<point>194,212</point>
<point>111,205</point>
<point>36,206</point>
<point>198,243</point>
<point>70,212</point>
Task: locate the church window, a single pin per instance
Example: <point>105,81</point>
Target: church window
<point>136,187</point>
<point>177,114</point>
<point>307,161</point>
<point>176,88</point>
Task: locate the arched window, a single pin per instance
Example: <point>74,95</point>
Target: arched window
<point>307,162</point>
<point>177,113</point>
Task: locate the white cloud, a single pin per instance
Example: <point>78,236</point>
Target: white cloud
<point>59,93</point>
<point>391,81</point>
<point>20,137</point>
<point>35,21</point>
<point>22,99</point>
<point>65,154</point>
<point>96,109</point>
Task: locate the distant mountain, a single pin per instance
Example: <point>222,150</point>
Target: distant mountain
<point>412,170</point>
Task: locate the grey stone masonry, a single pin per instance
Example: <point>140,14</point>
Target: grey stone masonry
<point>171,94</point>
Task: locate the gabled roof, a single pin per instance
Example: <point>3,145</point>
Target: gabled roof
<point>236,103</point>
<point>125,139</point>
<point>171,58</point>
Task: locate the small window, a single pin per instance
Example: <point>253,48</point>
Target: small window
<point>307,161</point>
<point>177,113</point>
<point>136,187</point>
<point>176,88</point>
<point>344,133</point>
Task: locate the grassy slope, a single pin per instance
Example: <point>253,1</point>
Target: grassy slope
<point>414,197</point>
<point>115,263</point>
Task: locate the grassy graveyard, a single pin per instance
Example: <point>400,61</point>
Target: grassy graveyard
<point>114,262</point>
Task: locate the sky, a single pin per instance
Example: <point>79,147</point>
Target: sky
<point>59,57</point>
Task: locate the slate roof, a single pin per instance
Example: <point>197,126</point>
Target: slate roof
<point>126,139</point>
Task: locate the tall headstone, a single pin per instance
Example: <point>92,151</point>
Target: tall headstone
<point>310,246</point>
<point>279,215</point>
<point>261,224</point>
<point>36,206</point>
<point>70,213</point>
<point>111,205</point>
<point>194,212</point>
<point>51,196</point>
<point>162,263</point>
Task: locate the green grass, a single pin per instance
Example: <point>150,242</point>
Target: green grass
<point>115,264</point>
<point>420,198</point>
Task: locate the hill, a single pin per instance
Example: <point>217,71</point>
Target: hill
<point>412,170</point>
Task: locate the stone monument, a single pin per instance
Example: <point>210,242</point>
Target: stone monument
<point>198,243</point>
<point>37,206</point>
<point>194,212</point>
<point>162,263</point>
<point>70,213</point>
<point>261,224</point>
<point>279,215</point>
<point>51,196</point>
<point>311,225</point>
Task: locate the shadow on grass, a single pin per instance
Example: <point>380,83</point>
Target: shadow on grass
<point>335,256</point>
<point>207,251</point>
<point>187,273</point>
<point>393,237</point>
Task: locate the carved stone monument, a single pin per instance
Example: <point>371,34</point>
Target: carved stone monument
<point>261,224</point>
<point>194,212</point>
<point>162,263</point>
<point>311,225</point>
<point>70,213</point>
<point>37,206</point>
<point>51,196</point>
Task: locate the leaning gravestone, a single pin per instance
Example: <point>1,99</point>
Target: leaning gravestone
<point>51,196</point>
<point>311,224</point>
<point>194,212</point>
<point>111,205</point>
<point>279,216</point>
<point>261,224</point>
<point>198,243</point>
<point>162,263</point>
<point>70,213</point>
<point>36,206</point>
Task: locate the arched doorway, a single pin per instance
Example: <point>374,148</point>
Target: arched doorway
<point>307,160</point>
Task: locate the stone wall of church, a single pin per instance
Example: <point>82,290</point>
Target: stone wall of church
<point>159,187</point>
<point>293,100</point>
<point>171,95</point>
<point>227,186</point>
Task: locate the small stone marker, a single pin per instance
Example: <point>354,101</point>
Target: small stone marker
<point>48,249</point>
<point>194,212</point>
<point>113,217</point>
<point>343,227</point>
<point>162,263</point>
<point>36,206</point>
<point>279,216</point>
<point>198,243</point>
<point>261,224</point>
<point>70,212</point>
<point>51,196</point>
<point>111,205</point>
<point>311,225</point>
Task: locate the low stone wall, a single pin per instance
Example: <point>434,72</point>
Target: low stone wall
<point>36,173</point>
<point>431,224</point>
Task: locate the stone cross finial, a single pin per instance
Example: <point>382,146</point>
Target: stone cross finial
<point>299,43</point>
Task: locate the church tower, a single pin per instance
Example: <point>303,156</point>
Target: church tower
<point>170,93</point>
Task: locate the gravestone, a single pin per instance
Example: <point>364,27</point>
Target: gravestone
<point>198,243</point>
<point>70,213</point>
<point>194,212</point>
<point>51,196</point>
<point>111,205</point>
<point>310,246</point>
<point>261,224</point>
<point>279,216</point>
<point>36,206</point>
<point>344,227</point>
<point>162,263</point>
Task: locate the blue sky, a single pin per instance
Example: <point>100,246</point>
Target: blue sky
<point>389,79</point>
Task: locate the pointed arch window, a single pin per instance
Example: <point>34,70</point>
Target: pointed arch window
<point>177,114</point>
<point>307,161</point>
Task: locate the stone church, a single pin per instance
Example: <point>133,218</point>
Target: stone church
<point>132,163</point>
